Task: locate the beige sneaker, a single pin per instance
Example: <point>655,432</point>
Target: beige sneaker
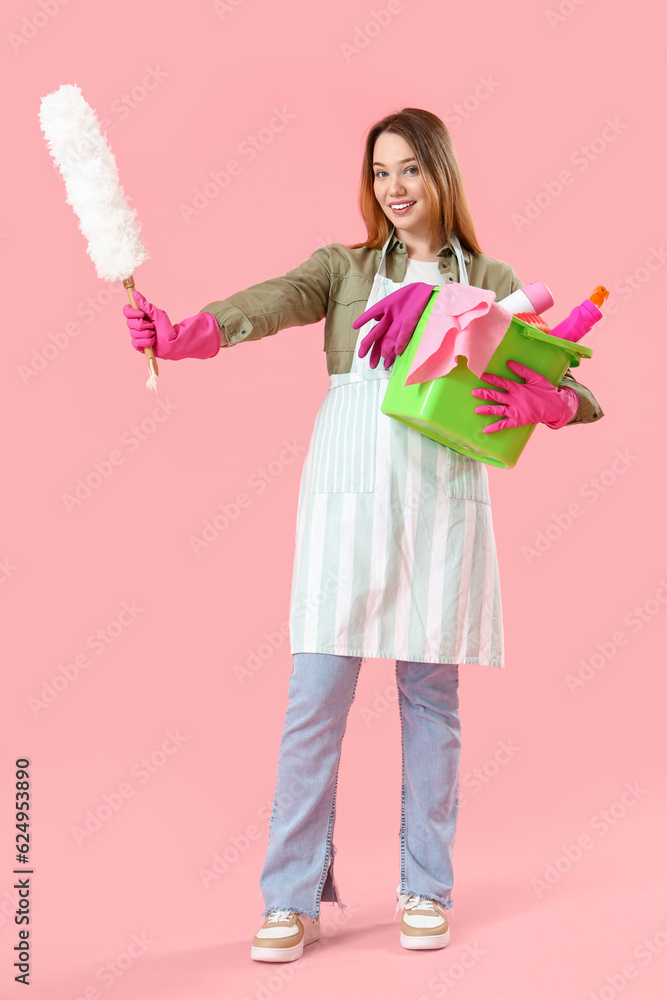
<point>423,922</point>
<point>283,935</point>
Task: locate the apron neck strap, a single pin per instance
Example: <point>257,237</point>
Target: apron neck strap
<point>463,271</point>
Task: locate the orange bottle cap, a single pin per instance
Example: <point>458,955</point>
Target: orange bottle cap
<point>599,296</point>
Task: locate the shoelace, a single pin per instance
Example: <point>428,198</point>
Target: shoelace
<point>279,915</point>
<point>408,901</point>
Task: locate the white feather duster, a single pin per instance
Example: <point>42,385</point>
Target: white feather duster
<point>82,154</point>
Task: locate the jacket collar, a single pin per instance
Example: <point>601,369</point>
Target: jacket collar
<point>442,252</point>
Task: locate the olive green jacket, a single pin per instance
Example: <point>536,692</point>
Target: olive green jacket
<point>334,285</point>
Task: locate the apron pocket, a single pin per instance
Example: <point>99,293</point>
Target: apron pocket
<point>344,438</point>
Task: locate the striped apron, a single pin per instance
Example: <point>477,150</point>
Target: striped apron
<point>395,554</point>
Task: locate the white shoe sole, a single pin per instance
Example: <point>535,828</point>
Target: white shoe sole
<point>261,953</point>
<point>428,941</point>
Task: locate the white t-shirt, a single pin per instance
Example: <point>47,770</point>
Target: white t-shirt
<point>423,270</point>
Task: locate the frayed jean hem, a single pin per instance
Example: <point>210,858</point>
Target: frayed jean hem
<point>308,913</point>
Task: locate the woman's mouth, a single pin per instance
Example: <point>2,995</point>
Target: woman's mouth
<point>402,207</point>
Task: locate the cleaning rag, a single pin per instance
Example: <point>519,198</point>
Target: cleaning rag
<point>465,320</point>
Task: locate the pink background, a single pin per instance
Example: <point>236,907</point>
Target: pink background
<point>219,73</point>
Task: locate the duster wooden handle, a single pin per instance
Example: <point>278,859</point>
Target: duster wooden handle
<point>148,351</point>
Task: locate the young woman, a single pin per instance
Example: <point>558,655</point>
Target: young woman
<point>395,552</point>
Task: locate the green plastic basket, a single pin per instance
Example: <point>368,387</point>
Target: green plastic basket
<point>444,408</point>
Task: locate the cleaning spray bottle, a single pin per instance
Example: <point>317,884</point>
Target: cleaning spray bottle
<point>582,317</point>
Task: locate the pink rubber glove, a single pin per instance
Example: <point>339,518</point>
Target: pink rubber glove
<point>534,401</point>
<point>196,337</point>
<point>398,315</point>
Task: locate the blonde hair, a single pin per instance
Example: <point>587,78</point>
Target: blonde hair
<point>434,151</point>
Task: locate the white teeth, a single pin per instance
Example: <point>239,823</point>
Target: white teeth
<point>404,205</point>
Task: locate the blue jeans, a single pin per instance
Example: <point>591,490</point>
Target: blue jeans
<point>298,869</point>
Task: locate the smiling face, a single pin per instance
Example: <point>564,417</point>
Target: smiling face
<point>399,186</point>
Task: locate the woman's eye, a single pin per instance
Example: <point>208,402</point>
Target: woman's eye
<point>384,171</point>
